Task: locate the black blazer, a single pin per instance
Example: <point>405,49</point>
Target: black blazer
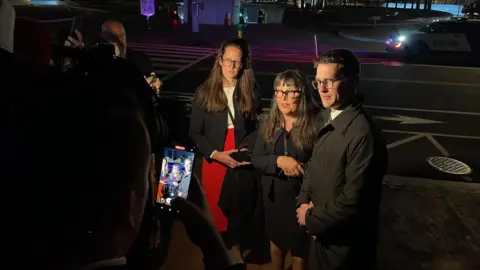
<point>264,159</point>
<point>208,131</point>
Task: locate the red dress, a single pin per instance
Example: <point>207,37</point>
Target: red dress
<point>212,181</point>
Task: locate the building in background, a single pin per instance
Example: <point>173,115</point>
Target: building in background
<point>213,11</point>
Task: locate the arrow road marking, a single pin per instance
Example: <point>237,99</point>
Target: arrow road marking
<point>405,120</point>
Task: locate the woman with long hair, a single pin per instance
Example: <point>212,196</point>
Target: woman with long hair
<point>284,144</point>
<point>224,121</point>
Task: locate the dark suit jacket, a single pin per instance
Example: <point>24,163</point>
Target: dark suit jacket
<point>185,184</point>
<point>208,131</point>
<point>344,182</point>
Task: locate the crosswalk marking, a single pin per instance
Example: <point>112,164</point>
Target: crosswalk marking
<point>176,54</point>
<point>259,53</point>
<point>168,60</point>
<point>172,60</point>
<point>187,98</point>
<point>166,66</point>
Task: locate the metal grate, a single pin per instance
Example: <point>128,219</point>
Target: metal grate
<point>449,165</point>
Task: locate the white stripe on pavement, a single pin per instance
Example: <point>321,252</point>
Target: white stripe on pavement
<point>188,66</point>
<point>443,83</point>
<point>168,60</point>
<point>254,47</point>
<point>167,65</point>
<point>172,55</point>
<point>149,49</point>
<point>172,94</point>
<point>172,60</point>
<point>176,53</point>
<point>171,47</point>
<point>424,65</point>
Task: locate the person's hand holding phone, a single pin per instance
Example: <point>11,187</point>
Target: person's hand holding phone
<point>198,226</point>
<point>75,42</point>
<point>225,158</point>
<point>243,163</point>
<point>290,166</point>
<point>154,82</point>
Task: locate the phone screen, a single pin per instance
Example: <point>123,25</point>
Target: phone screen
<point>175,176</point>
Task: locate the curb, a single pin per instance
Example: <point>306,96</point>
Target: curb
<point>394,23</point>
<point>399,182</point>
<point>372,24</point>
<point>362,39</point>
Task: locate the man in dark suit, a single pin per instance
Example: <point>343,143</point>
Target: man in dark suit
<point>340,195</point>
<point>186,176</point>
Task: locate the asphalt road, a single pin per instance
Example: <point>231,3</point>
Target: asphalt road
<point>423,110</point>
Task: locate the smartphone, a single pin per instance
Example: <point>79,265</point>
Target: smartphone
<point>174,178</point>
<point>241,156</point>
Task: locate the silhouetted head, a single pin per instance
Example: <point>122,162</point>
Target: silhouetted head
<point>114,32</point>
<point>76,164</point>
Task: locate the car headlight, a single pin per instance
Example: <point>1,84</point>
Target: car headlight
<point>401,38</point>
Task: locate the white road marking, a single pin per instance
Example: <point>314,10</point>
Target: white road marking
<point>405,120</point>
<point>167,65</point>
<point>410,109</point>
<point>404,141</point>
<point>432,134</point>
<point>187,97</point>
<point>188,66</point>
<point>443,83</point>
<point>422,110</point>
<point>389,80</point>
<point>366,106</point>
<point>428,66</point>
<point>176,54</point>
<point>169,60</point>
<point>169,47</point>
<point>437,145</point>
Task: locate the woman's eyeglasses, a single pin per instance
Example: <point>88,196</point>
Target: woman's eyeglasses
<point>229,63</point>
<point>327,83</point>
<point>288,93</point>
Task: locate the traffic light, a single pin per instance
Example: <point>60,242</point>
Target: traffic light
<point>241,17</point>
<point>174,14</point>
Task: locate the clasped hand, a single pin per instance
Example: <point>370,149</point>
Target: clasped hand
<point>290,166</point>
<point>302,211</point>
<point>225,158</point>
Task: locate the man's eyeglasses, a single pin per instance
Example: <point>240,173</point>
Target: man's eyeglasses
<point>327,83</point>
<point>288,93</point>
<point>229,63</point>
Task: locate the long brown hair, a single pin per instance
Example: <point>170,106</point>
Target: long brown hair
<point>211,95</point>
<point>305,128</point>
